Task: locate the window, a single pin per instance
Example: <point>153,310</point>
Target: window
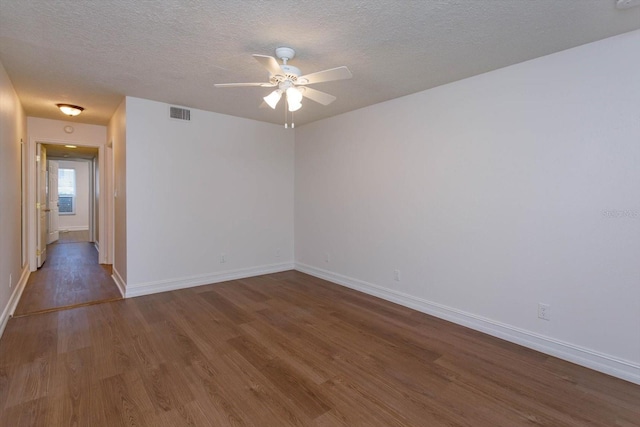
<point>67,191</point>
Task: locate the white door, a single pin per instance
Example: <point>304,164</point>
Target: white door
<point>41,204</point>
<point>53,207</point>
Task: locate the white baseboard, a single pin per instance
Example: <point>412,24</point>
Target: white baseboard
<point>74,228</point>
<point>117,278</point>
<point>14,298</point>
<point>135,290</point>
<point>610,365</point>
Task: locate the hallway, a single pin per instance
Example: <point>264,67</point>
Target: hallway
<point>70,277</point>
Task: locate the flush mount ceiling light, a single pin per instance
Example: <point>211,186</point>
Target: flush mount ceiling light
<point>70,110</point>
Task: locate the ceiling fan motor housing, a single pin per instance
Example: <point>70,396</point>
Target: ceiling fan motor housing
<point>291,72</point>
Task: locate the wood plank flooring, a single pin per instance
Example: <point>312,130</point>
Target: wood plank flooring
<point>70,276</point>
<point>286,349</point>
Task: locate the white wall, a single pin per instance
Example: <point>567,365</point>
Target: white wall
<point>196,190</point>
<point>53,130</point>
<point>12,132</point>
<point>490,195</point>
<point>79,220</point>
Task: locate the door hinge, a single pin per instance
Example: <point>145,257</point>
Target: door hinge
<point>38,253</point>
<point>37,158</point>
<point>38,205</point>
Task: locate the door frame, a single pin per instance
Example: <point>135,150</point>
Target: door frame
<point>105,222</point>
<point>92,191</point>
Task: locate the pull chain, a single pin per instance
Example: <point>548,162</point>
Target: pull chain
<point>286,125</point>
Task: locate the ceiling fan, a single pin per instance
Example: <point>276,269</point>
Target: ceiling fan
<point>289,80</point>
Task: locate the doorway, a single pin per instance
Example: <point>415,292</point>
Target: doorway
<point>67,189</point>
<point>67,273</point>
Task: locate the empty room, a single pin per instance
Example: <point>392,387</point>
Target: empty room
<point>336,213</point>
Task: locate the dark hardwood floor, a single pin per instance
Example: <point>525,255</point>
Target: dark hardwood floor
<point>70,276</point>
<point>283,350</point>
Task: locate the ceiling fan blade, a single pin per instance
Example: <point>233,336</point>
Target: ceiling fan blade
<point>338,73</point>
<point>244,85</point>
<point>317,96</point>
<point>270,63</point>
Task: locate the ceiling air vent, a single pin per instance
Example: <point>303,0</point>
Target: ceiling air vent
<point>180,113</point>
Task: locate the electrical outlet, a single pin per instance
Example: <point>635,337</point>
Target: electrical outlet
<point>396,275</point>
<point>223,258</point>
<point>544,311</point>
<point>278,253</point>
<point>327,258</point>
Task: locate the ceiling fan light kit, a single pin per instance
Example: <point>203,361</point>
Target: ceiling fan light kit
<point>273,98</point>
<point>289,80</point>
<point>294,99</point>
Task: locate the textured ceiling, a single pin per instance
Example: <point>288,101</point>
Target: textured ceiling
<point>92,53</point>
